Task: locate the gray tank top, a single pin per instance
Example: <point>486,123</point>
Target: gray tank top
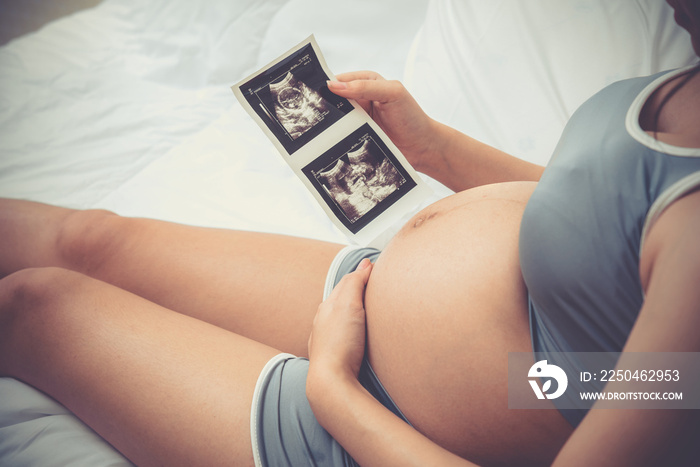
<point>584,226</point>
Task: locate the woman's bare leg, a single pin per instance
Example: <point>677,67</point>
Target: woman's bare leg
<point>263,286</point>
<point>162,387</point>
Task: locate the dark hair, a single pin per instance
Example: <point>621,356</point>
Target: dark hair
<point>687,76</point>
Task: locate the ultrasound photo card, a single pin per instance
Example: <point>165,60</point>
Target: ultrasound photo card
<point>290,99</point>
<point>359,179</point>
<point>358,176</point>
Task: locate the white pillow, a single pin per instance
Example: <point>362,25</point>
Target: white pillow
<point>511,72</point>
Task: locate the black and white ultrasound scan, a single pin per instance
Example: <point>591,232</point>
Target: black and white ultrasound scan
<point>359,178</point>
<point>293,100</point>
<point>354,171</point>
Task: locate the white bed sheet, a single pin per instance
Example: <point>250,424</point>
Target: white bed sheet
<point>127,107</point>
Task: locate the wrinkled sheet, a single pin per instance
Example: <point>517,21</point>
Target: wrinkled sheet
<point>127,107</point>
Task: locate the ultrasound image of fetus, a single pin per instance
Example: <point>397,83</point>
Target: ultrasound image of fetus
<point>297,107</point>
<point>361,182</point>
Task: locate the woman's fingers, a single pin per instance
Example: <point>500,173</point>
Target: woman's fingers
<point>370,90</point>
<point>337,339</point>
<point>393,108</point>
<point>352,286</point>
<point>366,86</point>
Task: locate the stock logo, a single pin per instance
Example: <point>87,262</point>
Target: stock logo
<point>543,370</point>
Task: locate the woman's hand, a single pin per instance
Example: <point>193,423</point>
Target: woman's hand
<point>337,341</point>
<point>395,111</point>
<point>365,428</point>
<point>450,157</point>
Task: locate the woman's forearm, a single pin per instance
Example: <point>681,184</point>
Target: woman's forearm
<point>450,157</point>
<point>369,431</point>
<point>461,162</point>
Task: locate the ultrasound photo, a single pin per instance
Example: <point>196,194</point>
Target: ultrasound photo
<point>363,182</point>
<point>297,107</point>
<point>358,178</point>
<point>293,100</point>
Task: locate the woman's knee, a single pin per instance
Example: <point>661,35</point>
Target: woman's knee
<point>37,295</point>
<point>35,288</point>
<point>30,302</point>
<point>87,239</point>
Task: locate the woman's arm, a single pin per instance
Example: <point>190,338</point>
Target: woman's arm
<point>451,157</point>
<point>461,162</point>
<point>369,431</point>
<point>668,322</point>
<point>365,428</point>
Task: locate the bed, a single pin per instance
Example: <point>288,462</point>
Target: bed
<point>126,106</point>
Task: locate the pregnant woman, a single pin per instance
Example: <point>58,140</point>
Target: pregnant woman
<point>182,345</point>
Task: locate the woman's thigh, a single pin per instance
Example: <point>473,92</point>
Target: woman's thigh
<point>162,387</point>
<point>263,286</point>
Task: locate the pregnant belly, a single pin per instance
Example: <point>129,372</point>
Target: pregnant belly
<point>445,304</point>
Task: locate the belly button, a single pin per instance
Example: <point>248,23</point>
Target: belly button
<point>422,219</point>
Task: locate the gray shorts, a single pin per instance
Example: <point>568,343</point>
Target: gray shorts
<point>284,430</point>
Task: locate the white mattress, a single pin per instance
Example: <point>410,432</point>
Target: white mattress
<point>127,107</point>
